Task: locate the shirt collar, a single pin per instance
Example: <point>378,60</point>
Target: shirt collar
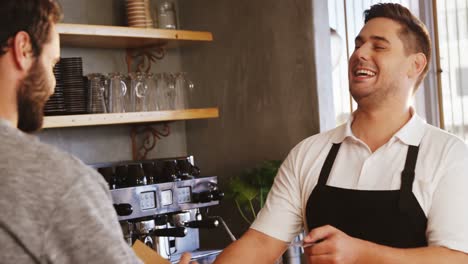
<point>344,131</point>
<point>410,134</point>
<point>413,131</point>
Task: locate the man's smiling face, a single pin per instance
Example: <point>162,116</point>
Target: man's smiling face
<point>379,64</point>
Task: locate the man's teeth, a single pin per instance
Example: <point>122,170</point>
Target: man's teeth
<point>364,73</point>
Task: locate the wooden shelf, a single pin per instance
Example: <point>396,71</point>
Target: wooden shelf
<point>128,118</point>
<point>94,36</point>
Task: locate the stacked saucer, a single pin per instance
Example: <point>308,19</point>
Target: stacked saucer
<point>56,103</point>
<point>138,14</point>
<point>74,85</point>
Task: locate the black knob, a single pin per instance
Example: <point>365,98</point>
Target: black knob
<point>170,172</point>
<point>121,174</point>
<point>195,171</point>
<point>169,232</point>
<point>203,197</point>
<point>148,168</point>
<point>136,175</point>
<point>109,175</point>
<point>123,209</point>
<point>184,168</point>
<point>217,195</point>
<point>206,223</point>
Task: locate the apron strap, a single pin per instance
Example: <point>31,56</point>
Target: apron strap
<point>327,166</point>
<point>407,178</point>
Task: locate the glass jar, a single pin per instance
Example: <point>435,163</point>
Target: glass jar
<point>167,16</point>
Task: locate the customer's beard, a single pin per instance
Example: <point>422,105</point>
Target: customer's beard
<point>33,92</point>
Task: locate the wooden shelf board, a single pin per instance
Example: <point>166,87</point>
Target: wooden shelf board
<point>94,36</point>
<point>128,118</point>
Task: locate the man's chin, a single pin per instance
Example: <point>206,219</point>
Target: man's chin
<point>359,93</point>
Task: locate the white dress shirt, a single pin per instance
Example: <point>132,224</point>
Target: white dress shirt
<point>440,185</point>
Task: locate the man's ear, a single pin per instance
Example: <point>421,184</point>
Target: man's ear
<point>22,51</point>
<point>418,64</point>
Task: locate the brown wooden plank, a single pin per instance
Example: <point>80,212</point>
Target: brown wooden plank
<point>128,118</point>
<point>94,36</point>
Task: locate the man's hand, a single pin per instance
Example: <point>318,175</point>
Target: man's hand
<point>335,246</point>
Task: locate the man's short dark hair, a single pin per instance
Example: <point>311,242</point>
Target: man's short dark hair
<point>414,34</point>
<point>32,16</point>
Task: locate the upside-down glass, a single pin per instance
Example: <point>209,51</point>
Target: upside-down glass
<point>166,91</point>
<point>151,94</point>
<point>183,89</point>
<point>138,91</point>
<point>117,91</point>
<point>96,93</point>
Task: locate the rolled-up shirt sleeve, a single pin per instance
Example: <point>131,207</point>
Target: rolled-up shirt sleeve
<point>448,214</point>
<point>281,216</point>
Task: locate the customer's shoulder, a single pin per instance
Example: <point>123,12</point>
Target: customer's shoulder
<point>61,162</point>
<point>39,170</point>
<point>27,152</point>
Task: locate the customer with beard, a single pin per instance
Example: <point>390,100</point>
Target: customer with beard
<point>54,209</point>
<point>384,188</point>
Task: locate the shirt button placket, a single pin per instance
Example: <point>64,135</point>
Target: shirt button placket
<point>363,176</point>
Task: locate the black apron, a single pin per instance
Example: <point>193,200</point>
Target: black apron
<point>392,218</point>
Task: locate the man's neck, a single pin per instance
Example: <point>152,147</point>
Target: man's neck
<point>377,126</point>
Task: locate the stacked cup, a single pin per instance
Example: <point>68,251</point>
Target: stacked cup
<point>138,13</point>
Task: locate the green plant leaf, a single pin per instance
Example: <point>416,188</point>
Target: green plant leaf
<point>242,191</point>
<point>250,189</point>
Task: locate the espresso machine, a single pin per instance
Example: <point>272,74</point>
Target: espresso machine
<point>163,203</point>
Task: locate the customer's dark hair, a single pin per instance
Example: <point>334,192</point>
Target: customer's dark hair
<point>32,16</point>
<point>414,34</point>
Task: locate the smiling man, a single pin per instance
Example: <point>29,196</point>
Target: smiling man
<point>384,188</point>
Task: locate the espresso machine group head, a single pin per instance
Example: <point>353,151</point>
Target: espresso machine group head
<point>159,202</point>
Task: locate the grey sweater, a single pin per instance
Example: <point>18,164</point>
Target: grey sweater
<point>53,208</point>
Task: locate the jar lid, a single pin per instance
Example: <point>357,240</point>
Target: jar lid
<point>166,6</point>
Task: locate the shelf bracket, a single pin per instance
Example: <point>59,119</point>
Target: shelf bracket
<point>144,57</point>
<point>145,137</point>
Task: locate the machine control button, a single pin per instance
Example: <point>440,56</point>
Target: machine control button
<point>147,200</point>
<point>183,194</point>
<point>166,197</point>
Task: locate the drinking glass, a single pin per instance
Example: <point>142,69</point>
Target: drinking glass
<point>152,94</point>
<point>138,91</point>
<point>116,92</point>
<point>166,84</point>
<point>96,93</point>
<point>183,89</point>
